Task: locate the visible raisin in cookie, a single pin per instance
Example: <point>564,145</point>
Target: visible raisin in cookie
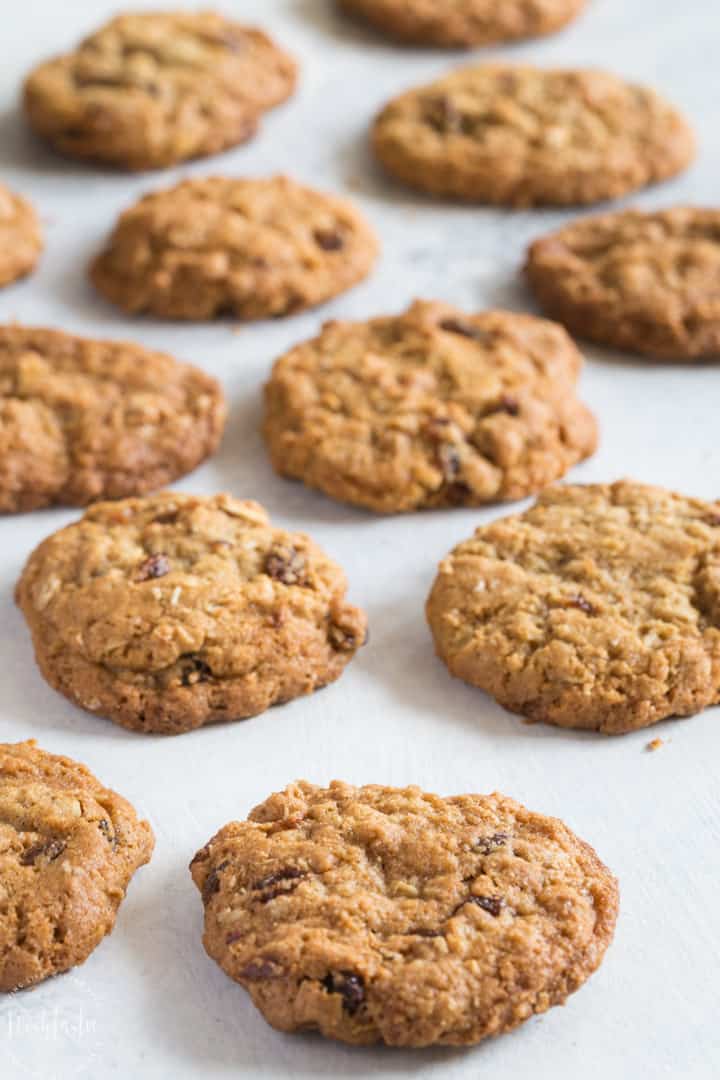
<point>386,914</point>
<point>524,136</point>
<point>430,408</point>
<point>83,420</point>
<point>598,608</point>
<point>649,283</point>
<point>68,850</point>
<point>254,249</point>
<point>464,23</point>
<point>20,237</point>
<point>149,90</point>
<point>170,612</point>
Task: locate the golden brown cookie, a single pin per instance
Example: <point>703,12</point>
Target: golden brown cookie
<point>254,249</point>
<point>68,850</point>
<point>649,283</point>
<point>20,237</point>
<point>149,90</point>
<point>83,420</point>
<point>598,608</point>
<point>430,408</point>
<point>171,612</point>
<point>387,914</point>
<point>464,23</point>
<point>524,136</point>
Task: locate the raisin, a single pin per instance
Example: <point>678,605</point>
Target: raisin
<point>329,240</point>
<point>155,566</point>
<point>286,565</point>
<point>487,844</point>
<point>50,849</point>
<point>211,884</point>
<point>491,904</point>
<point>194,671</point>
<point>449,461</point>
<point>280,883</point>
<point>509,405</point>
<point>580,602</point>
<point>351,988</point>
<point>466,329</point>
<point>342,640</point>
<point>256,969</point>
<point>106,829</point>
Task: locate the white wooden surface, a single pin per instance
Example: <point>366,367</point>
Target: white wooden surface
<point>149,1003</point>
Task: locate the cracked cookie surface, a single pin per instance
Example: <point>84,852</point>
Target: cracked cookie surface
<point>646,282</point>
<point>386,914</point>
<point>598,608</point>
<point>464,23</point>
<point>524,136</point>
<point>171,612</point>
<point>430,408</point>
<point>68,850</point>
<point>82,420</point>
<point>149,90</point>
<point>253,249</point>
<point>20,237</point>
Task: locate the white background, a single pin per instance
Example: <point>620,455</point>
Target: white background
<point>149,1003</point>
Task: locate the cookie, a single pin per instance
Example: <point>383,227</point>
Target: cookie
<point>83,420</point>
<point>464,23</point>
<point>648,283</point>
<point>598,608</point>
<point>170,612</point>
<point>254,249</point>
<point>20,237</point>
<point>68,850</point>
<point>431,408</point>
<point>387,914</point>
<point>524,136</point>
<point>149,90</point>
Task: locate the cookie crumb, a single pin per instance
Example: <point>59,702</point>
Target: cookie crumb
<point>654,744</point>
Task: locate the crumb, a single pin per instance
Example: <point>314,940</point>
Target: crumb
<point>656,744</point>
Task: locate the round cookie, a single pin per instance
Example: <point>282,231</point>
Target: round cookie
<point>254,249</point>
<point>82,420</point>
<point>649,283</point>
<point>68,850</point>
<point>386,914</point>
<point>431,408</point>
<point>525,136</point>
<point>20,237</point>
<point>598,608</point>
<point>149,90</point>
<point>464,23</point>
<point>171,612</point>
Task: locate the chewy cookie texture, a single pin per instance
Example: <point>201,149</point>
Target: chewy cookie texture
<point>464,23</point>
<point>525,136</point>
<point>384,914</point>
<point>598,608</point>
<point>171,612</point>
<point>68,850</point>
<point>646,282</point>
<point>83,420</point>
<point>149,90</point>
<point>20,237</point>
<point>253,249</point>
<point>431,408</point>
